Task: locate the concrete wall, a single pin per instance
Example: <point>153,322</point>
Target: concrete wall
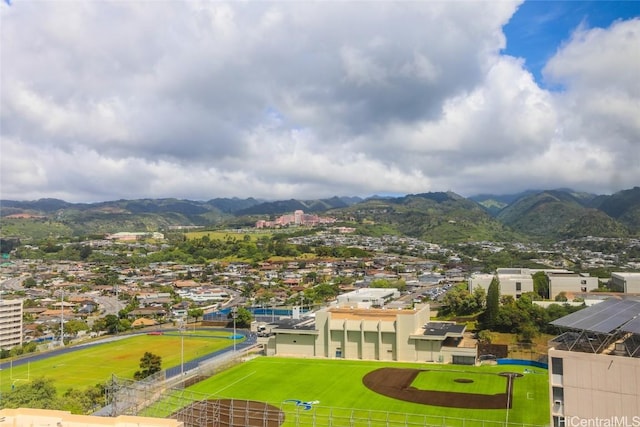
<point>509,284</point>
<point>481,280</point>
<point>296,345</point>
<point>593,386</point>
<point>626,282</point>
<point>570,283</point>
<point>370,345</point>
<point>428,351</point>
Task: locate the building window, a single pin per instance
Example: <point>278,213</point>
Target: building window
<point>583,282</point>
<point>556,366</point>
<point>518,286</point>
<point>558,395</point>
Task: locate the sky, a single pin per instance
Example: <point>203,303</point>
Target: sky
<point>105,100</point>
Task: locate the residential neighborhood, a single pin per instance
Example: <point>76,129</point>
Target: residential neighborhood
<point>76,296</point>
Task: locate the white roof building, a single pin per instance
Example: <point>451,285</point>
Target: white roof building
<point>368,297</point>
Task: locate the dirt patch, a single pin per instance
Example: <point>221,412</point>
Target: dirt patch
<point>463,380</point>
<point>229,413</point>
<point>396,383</point>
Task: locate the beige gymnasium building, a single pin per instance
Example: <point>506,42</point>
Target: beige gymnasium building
<point>345,332</point>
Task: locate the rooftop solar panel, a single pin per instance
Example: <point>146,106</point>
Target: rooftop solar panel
<point>571,320</point>
<point>632,326</point>
<point>619,315</point>
<point>603,318</point>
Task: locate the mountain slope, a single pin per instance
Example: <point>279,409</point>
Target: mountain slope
<point>494,203</point>
<point>558,214</point>
<point>623,206</point>
<point>436,217</point>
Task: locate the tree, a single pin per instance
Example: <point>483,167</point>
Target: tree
<point>458,301</point>
<point>78,401</point>
<point>541,284</point>
<point>484,336</point>
<point>400,284</point>
<point>112,323</point>
<point>38,394</point>
<point>243,318</point>
<point>29,282</point>
<point>527,332</point>
<point>149,364</point>
<point>480,295</point>
<point>74,326</point>
<point>493,304</point>
<point>195,313</point>
<point>326,291</point>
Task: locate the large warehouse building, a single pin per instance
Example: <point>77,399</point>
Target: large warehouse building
<point>594,366</point>
<point>373,334</point>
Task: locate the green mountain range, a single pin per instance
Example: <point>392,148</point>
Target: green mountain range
<point>437,217</point>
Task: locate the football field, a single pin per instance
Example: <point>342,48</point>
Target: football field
<point>87,366</point>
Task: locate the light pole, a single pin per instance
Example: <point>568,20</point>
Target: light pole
<point>62,318</point>
<point>182,348</point>
<point>234,314</point>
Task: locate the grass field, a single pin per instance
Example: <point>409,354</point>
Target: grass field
<point>445,380</point>
<point>338,384</point>
<point>93,365</point>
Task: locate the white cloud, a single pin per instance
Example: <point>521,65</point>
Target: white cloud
<point>288,99</point>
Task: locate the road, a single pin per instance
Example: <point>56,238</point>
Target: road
<point>110,304</point>
<point>12,284</point>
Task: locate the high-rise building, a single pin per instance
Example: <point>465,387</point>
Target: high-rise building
<point>10,323</point>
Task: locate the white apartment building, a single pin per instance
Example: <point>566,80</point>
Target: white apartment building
<point>629,283</point>
<point>482,280</point>
<point>570,283</point>
<point>10,323</point>
<point>516,281</point>
<point>513,281</point>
